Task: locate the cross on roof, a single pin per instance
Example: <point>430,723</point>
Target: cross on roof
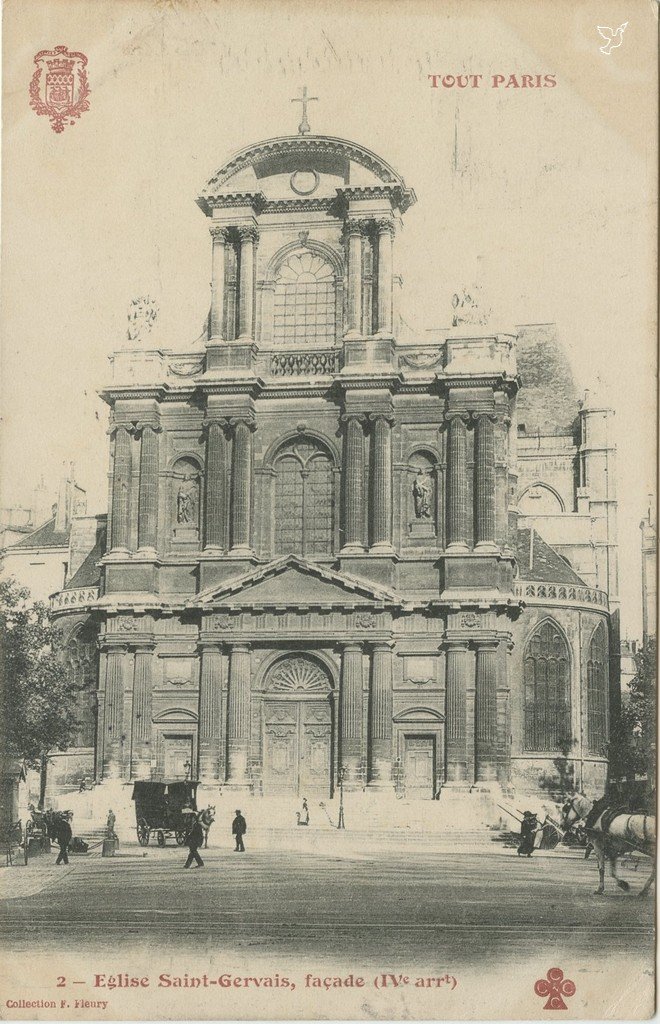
<point>303,127</point>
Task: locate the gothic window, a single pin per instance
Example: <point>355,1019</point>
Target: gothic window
<point>81,662</point>
<point>547,690</point>
<point>304,308</point>
<point>597,690</point>
<point>304,499</point>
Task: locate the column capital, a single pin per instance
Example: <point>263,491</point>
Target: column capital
<point>219,233</point>
<point>381,645</point>
<point>213,420</point>
<point>355,226</point>
<point>143,647</point>
<point>388,417</point>
<point>358,417</point>
<point>483,414</point>
<point>457,414</point>
<point>141,425</point>
<point>248,233</point>
<point>352,647</point>
<point>455,643</point>
<point>385,225</point>
<point>114,429</point>
<point>486,643</point>
<point>241,648</point>
<point>248,420</point>
<point>113,645</point>
<point>209,647</point>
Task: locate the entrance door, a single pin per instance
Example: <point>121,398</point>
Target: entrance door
<point>297,747</point>
<point>419,767</point>
<point>178,757</point>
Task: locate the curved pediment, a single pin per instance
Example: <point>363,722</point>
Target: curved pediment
<point>315,166</point>
<point>419,715</point>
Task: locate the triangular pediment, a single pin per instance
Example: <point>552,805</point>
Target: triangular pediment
<point>293,582</point>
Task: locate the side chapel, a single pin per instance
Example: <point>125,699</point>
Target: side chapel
<point>315,558</point>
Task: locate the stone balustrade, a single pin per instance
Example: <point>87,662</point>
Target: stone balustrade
<point>531,591</point>
<point>77,599</point>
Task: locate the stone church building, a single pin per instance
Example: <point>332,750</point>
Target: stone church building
<point>330,550</point>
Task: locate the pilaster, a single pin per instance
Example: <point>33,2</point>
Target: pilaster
<point>238,714</point>
<point>380,719</point>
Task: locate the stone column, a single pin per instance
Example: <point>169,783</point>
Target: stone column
<point>484,481</point>
<point>456,710</point>
<point>114,713</point>
<point>142,712</point>
<point>219,236</point>
<point>381,491</point>
<point>457,499</point>
<point>215,537</point>
<point>248,237</point>
<point>121,489</point>
<point>241,485</point>
<point>210,716</point>
<point>486,711</point>
<point>354,482</point>
<point>148,496</point>
<point>238,714</point>
<point>351,711</point>
<point>380,718</point>
<point>385,278</point>
<point>354,233</point>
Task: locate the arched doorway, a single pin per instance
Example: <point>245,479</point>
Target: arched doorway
<point>297,727</point>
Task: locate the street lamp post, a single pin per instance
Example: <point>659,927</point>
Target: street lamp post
<point>341,772</point>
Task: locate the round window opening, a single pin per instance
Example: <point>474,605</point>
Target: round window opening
<point>304,182</point>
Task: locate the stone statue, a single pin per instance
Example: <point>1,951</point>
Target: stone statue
<point>469,308</point>
<point>186,502</point>
<point>422,495</point>
<point>142,314</point>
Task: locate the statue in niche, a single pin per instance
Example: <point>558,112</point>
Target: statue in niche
<point>423,495</point>
<point>187,502</point>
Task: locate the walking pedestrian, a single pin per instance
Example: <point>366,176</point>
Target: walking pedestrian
<point>528,828</point>
<point>194,838</point>
<point>61,832</point>
<point>303,815</point>
<point>239,828</point>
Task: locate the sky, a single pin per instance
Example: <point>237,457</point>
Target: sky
<point>544,197</point>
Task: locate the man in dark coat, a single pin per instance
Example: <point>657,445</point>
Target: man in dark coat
<point>194,839</point>
<point>239,828</point>
<point>528,829</point>
<point>61,832</point>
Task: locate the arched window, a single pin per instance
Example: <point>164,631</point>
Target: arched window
<point>81,660</point>
<point>597,690</point>
<point>539,499</point>
<point>304,499</point>
<point>547,690</point>
<point>304,309</point>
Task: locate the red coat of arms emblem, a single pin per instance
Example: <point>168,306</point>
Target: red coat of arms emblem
<point>59,86</point>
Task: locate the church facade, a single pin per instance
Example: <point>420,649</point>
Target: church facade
<point>314,565</point>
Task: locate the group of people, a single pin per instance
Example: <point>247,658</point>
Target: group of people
<point>195,836</point>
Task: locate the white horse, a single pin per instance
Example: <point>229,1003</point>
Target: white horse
<point>613,835</point>
<point>206,819</point>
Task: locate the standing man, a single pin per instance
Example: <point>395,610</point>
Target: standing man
<point>194,838</point>
<point>239,828</point>
<point>61,833</point>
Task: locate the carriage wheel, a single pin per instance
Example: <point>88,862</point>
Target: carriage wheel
<point>161,837</point>
<point>143,832</point>
<point>180,836</point>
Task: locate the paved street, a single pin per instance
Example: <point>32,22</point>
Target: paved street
<point>301,911</point>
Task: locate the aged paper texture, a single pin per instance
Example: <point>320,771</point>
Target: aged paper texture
<point>329,451</point>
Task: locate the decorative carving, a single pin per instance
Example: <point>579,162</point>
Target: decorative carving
<point>177,681</point>
<point>422,360</point>
<point>354,226</point>
<point>142,315</point>
<point>385,225</point>
<point>299,673</point>
<point>365,620</point>
<point>222,622</point>
<point>423,495</point>
<point>186,368</point>
<point>127,625</point>
<point>469,620</point>
<point>293,364</point>
<point>218,233</point>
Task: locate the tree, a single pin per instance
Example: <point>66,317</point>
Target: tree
<point>38,697</point>
<point>633,736</point>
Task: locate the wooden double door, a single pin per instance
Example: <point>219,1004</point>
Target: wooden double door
<point>297,753</point>
<point>419,759</point>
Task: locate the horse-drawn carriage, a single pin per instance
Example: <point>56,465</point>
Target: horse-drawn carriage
<point>159,809</point>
